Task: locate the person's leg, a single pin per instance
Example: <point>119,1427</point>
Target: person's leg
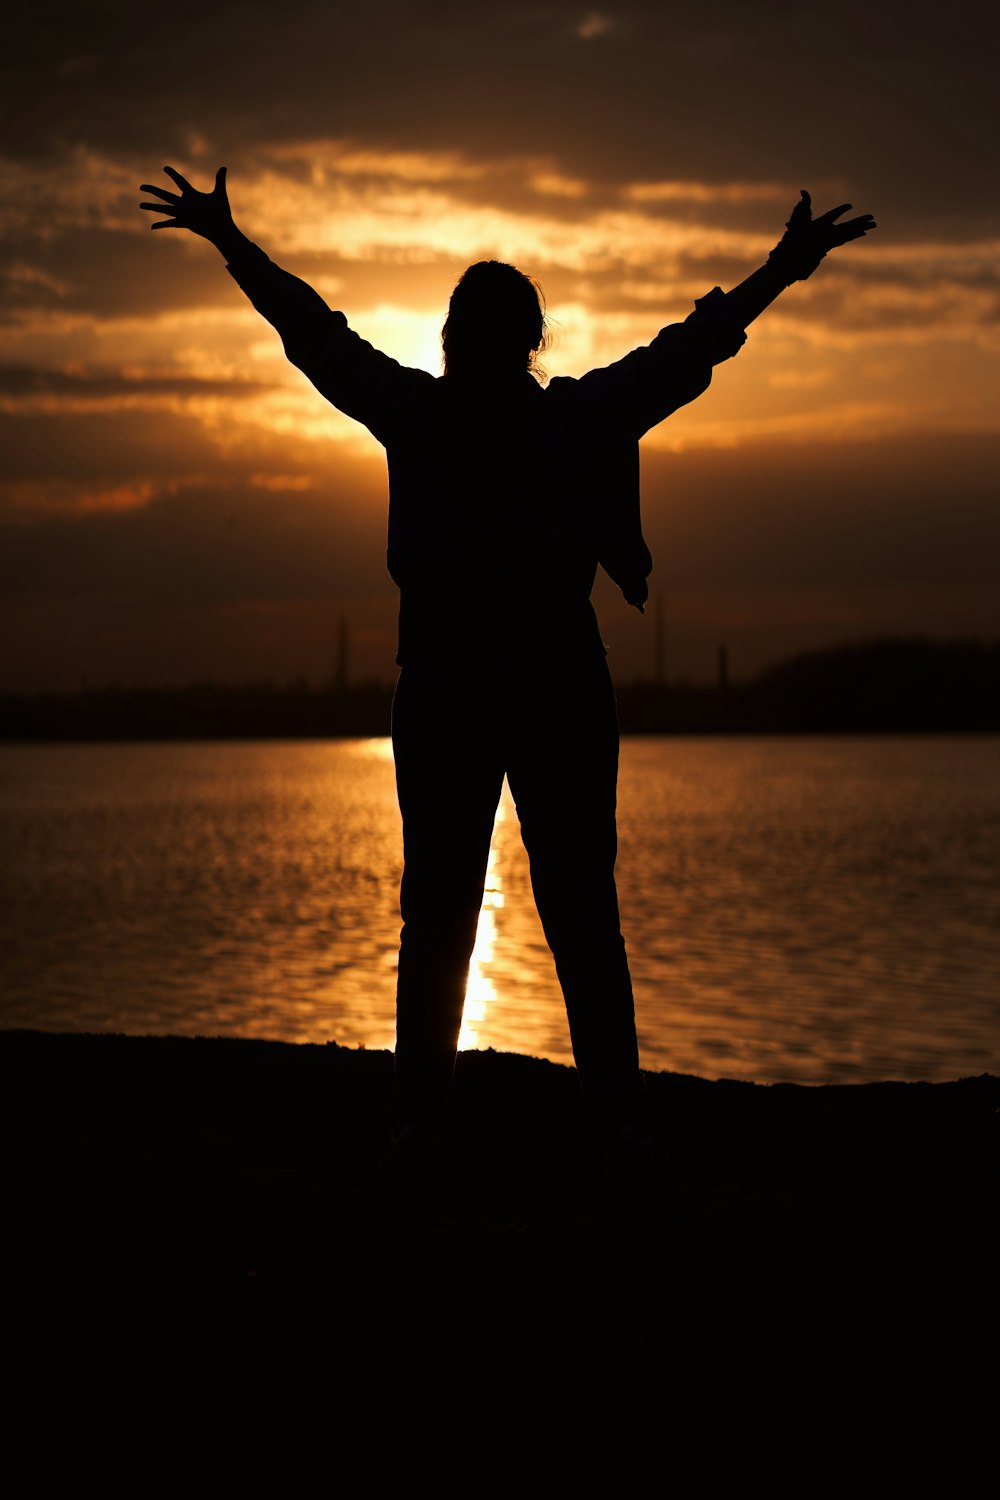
<point>449,776</point>
<point>563,774</point>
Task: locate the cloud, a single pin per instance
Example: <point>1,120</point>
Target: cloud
<point>26,388</point>
<point>283,483</point>
<point>66,497</point>
<point>709,193</point>
<point>632,156</point>
<point>889,100</point>
<point>422,215</point>
<point>594,25</point>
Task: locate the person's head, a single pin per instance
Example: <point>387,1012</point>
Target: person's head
<point>496,321</point>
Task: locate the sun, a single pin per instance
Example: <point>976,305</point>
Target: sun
<point>414,338</point>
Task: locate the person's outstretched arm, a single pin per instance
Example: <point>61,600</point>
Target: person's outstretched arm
<point>204,214</point>
<point>285,298</point>
<point>355,377</point>
<point>795,257</point>
<point>652,382</point>
<point>639,391</point>
<point>716,330</point>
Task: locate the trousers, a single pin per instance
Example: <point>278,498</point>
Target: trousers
<point>554,734</point>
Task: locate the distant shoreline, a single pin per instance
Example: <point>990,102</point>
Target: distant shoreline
<point>879,687</point>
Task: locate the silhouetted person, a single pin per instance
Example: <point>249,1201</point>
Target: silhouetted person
<point>504,496</point>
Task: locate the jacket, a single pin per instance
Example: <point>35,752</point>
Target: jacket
<point>503,497</point>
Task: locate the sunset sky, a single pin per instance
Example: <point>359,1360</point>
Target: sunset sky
<point>177,503</point>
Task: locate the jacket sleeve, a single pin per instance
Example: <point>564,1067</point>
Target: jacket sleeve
<point>639,391</point>
<point>357,378</point>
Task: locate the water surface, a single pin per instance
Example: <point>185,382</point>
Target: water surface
<point>802,909</point>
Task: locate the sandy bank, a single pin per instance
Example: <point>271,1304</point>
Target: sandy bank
<point>200,1194</point>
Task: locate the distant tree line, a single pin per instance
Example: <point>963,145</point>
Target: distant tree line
<point>881,686</point>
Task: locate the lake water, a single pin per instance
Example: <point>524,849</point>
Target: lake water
<point>801,909</point>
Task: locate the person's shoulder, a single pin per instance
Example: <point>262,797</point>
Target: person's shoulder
<point>588,395</point>
<point>417,380</point>
<point>561,387</point>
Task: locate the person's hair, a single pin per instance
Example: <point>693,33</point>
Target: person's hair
<point>496,321</point>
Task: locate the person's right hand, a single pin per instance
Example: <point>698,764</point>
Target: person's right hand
<point>207,214</point>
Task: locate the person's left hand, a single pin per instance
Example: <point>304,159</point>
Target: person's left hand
<point>806,240</point>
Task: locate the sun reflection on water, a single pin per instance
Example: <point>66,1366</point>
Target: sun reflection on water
<point>481,990</point>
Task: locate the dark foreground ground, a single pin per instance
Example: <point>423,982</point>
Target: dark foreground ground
<point>222,1200</point>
